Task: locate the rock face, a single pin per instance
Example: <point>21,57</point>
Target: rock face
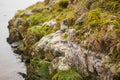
<point>61,37</point>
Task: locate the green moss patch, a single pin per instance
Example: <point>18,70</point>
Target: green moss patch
<point>38,70</point>
<point>67,75</point>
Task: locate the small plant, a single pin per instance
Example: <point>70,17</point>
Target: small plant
<point>38,70</point>
<point>67,75</point>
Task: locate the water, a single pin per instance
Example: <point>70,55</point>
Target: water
<point>10,63</point>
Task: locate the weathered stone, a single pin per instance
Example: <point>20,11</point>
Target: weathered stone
<point>19,21</point>
<point>52,23</point>
<point>63,27</point>
<point>38,9</point>
<point>26,13</point>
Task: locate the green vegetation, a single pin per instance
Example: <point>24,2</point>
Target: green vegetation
<point>37,30</point>
<point>115,55</point>
<point>111,5</point>
<point>93,17</point>
<point>98,18</point>
<point>38,4</point>
<point>98,30</point>
<point>41,31</point>
<point>77,27</point>
<point>65,36</point>
<point>20,46</point>
<point>36,19</point>
<point>19,13</point>
<point>38,70</point>
<point>67,75</point>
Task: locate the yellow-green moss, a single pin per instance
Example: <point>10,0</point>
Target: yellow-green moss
<point>65,36</point>
<point>36,19</point>
<point>38,4</point>
<point>98,18</point>
<point>41,31</point>
<point>18,13</point>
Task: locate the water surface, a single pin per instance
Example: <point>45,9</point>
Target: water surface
<point>10,64</point>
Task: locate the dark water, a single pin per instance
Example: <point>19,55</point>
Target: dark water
<point>10,63</point>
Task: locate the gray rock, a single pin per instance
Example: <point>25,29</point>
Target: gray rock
<point>52,23</point>
<point>27,13</point>
<point>71,54</point>
<point>19,21</point>
<point>37,9</point>
<point>63,27</point>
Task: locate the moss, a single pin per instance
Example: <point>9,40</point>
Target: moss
<point>38,4</point>
<point>19,13</point>
<point>36,19</point>
<point>93,17</point>
<point>38,70</point>
<point>65,36</point>
<point>20,46</point>
<point>66,14</point>
<point>98,18</point>
<point>67,75</point>
<point>42,31</point>
<point>77,27</point>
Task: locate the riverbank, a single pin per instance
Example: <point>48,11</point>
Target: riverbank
<point>68,39</point>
